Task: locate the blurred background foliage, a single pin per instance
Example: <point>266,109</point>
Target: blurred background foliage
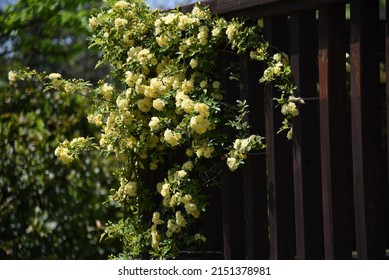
<point>48,210</point>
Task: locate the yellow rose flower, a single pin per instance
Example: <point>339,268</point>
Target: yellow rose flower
<point>12,77</point>
<point>171,137</point>
<point>193,63</point>
<point>180,220</point>
<point>158,104</point>
<point>120,22</point>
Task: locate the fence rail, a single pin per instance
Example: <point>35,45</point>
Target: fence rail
<point>325,194</point>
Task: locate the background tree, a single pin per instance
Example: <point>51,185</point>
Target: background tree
<point>47,210</point>
<point>49,36</point>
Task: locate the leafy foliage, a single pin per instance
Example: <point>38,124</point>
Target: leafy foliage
<point>47,210</point>
<point>50,35</point>
<point>163,116</point>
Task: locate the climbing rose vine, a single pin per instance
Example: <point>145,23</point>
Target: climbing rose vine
<point>163,116</point>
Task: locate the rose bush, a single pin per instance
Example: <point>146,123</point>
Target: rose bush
<point>163,116</point>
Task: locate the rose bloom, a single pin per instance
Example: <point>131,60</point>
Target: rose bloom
<point>193,63</point>
<point>119,22</point>
<point>12,77</point>
<point>158,104</point>
<point>232,164</point>
<point>154,124</point>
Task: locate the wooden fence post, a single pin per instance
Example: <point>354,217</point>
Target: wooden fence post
<point>254,171</point>
<point>368,189</point>
<point>279,159</point>
<point>334,132</point>
<point>306,139</point>
<point>232,189</point>
<point>386,192</point>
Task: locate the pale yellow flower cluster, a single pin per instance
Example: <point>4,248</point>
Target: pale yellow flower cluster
<point>164,189</point>
<point>66,149</point>
<point>12,77</point>
<point>162,41</point>
<point>68,87</point>
<point>198,13</point>
<point>145,104</point>
<point>169,19</point>
<point>131,78</point>
<point>158,104</point>
<point>199,124</point>
<point>122,104</point>
<point>181,174</point>
<point>202,36</point>
<point>190,206</point>
<point>261,23</point>
<point>93,22</point>
<point>231,32</point>
<point>289,135</point>
<point>174,226</point>
<point>127,188</point>
<point>120,22</point>
<point>157,218</point>
<point>156,88</point>
<point>95,119</point>
<point>180,220</point>
<point>201,237</point>
<point>106,90</point>
<point>154,124</point>
<point>63,154</point>
<point>187,166</point>
<point>193,63</point>
<point>232,163</point>
<point>185,21</point>
<point>259,54</point>
<point>240,149</point>
<point>172,137</point>
<point>109,130</point>
<point>216,32</point>
<point>120,6</point>
<point>155,237</point>
<point>173,197</point>
<point>290,108</point>
<point>204,151</point>
<point>56,79</point>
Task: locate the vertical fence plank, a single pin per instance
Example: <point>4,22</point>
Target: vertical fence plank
<point>386,205</point>
<point>232,192</point>
<point>233,216</point>
<point>366,130</point>
<point>386,192</point>
<point>334,132</point>
<point>306,139</point>
<point>254,171</point>
<point>279,159</point>
<point>213,223</point>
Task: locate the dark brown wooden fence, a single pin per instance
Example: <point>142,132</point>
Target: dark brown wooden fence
<point>325,194</point>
